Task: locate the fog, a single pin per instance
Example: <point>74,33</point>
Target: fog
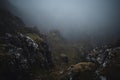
<point>74,18</point>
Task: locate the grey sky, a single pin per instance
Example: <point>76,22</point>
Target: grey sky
<point>71,17</point>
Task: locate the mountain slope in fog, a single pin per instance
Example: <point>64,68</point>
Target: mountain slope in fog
<point>24,53</point>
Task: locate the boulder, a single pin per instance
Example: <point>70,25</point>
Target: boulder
<point>82,71</point>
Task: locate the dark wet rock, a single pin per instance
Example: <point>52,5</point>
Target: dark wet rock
<point>108,61</point>
<point>103,64</point>
<point>23,51</point>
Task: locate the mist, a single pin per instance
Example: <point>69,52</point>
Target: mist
<point>73,18</point>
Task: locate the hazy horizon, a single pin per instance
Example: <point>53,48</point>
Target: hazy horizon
<point>73,18</point>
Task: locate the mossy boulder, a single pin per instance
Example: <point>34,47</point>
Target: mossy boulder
<point>82,71</point>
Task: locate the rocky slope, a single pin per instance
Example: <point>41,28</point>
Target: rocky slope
<point>103,64</point>
<point>64,52</point>
<point>24,53</point>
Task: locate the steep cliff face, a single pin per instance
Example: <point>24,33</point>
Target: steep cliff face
<point>23,51</point>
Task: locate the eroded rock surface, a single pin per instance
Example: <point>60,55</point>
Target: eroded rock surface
<point>23,51</point>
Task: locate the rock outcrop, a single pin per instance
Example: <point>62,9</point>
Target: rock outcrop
<point>23,51</point>
<point>103,64</point>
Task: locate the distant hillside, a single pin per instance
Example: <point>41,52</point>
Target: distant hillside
<point>61,48</point>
